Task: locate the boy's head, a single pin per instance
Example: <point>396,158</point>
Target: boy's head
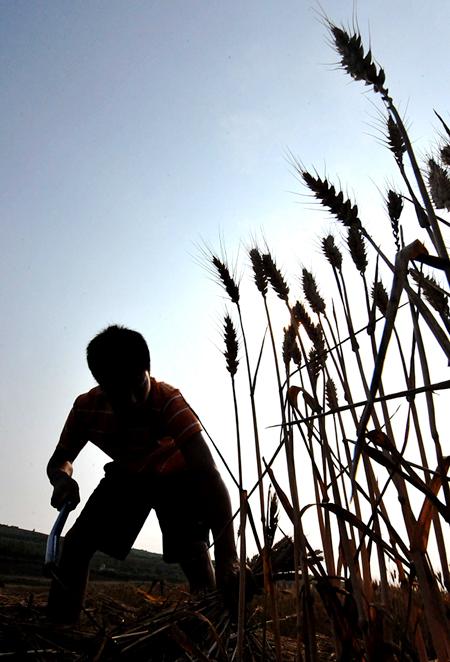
<point>119,360</point>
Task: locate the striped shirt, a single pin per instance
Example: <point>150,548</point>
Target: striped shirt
<point>151,444</point>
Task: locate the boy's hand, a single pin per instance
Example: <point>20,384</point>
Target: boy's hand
<point>65,489</point>
<point>227,578</point>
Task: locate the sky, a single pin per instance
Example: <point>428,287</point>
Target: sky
<point>134,133</point>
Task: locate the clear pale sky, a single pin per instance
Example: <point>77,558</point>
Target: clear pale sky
<point>133,130</point>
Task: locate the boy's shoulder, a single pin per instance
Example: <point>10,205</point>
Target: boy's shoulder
<point>162,387</point>
<point>93,399</point>
<point>162,392</point>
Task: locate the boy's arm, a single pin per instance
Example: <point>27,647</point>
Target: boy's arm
<point>59,472</point>
<point>217,504</point>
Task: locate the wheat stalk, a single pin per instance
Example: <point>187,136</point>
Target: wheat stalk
<point>231,345</point>
<point>275,277</point>
<point>354,61</point>
<point>312,293</point>
<point>332,252</point>
<point>394,204</point>
<point>357,249</point>
<point>395,140</point>
<point>439,183</point>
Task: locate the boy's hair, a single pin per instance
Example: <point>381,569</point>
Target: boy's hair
<point>116,353</point>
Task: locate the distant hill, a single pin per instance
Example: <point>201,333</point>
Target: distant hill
<point>22,556</point>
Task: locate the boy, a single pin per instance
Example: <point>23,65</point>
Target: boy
<point>159,460</point>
